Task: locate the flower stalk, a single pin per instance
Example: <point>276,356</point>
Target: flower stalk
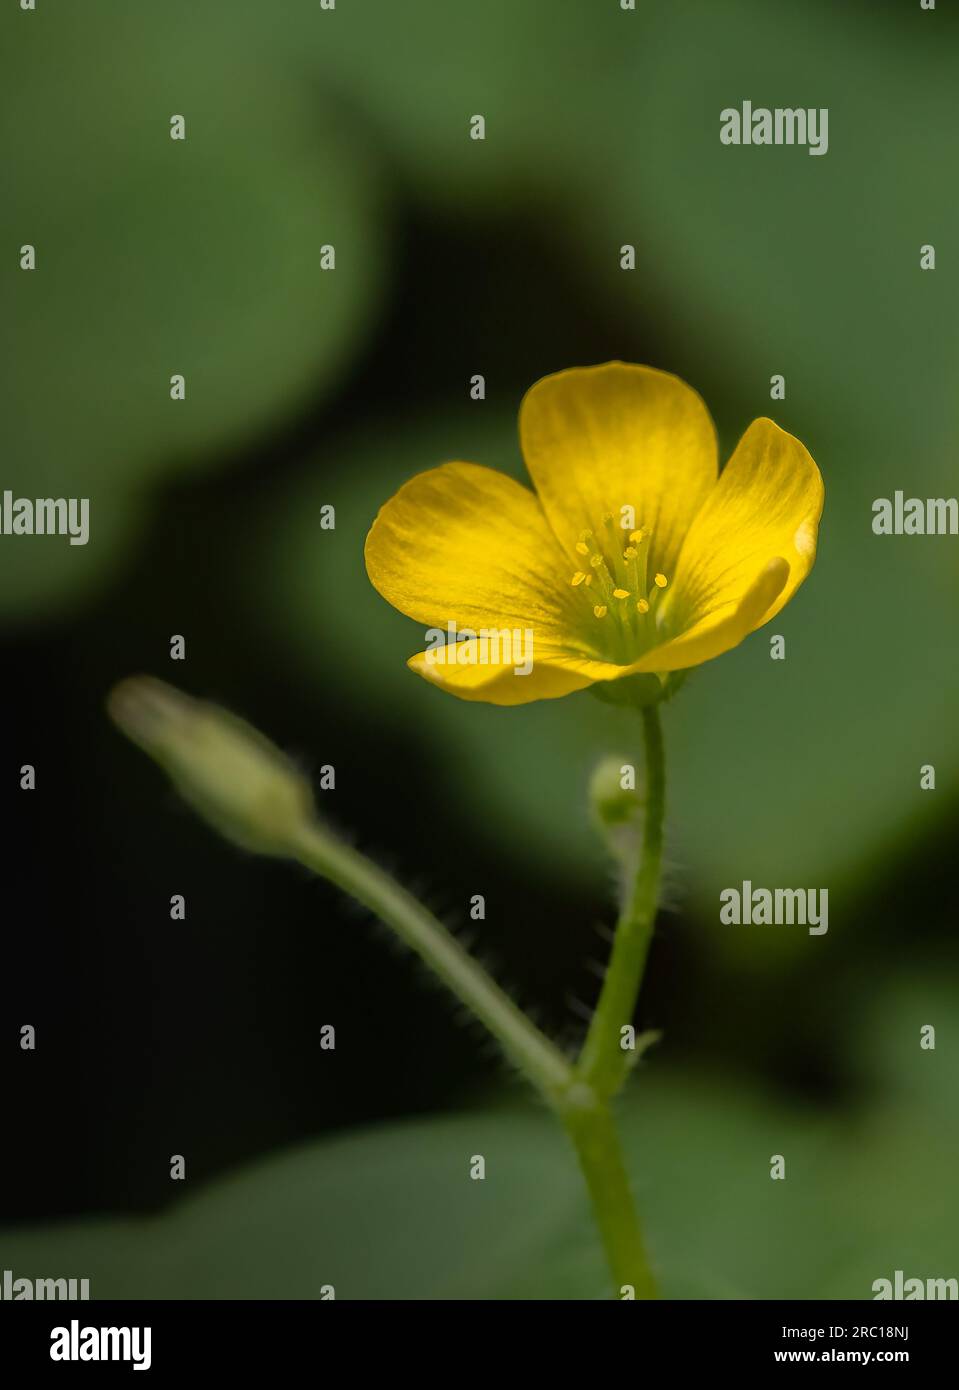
<point>530,1051</point>
<point>593,1132</point>
<point>604,1062</point>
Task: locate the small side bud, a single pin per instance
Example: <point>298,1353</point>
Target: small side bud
<point>612,792</point>
<point>227,771</point>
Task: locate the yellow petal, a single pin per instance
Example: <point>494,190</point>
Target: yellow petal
<point>723,628</point>
<point>499,684</point>
<point>766,505</point>
<point>468,545</point>
<point>596,439</point>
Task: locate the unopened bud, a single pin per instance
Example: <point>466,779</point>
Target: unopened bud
<point>612,792</point>
<point>228,772</point>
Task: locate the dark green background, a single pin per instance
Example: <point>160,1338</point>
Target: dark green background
<point>303,388</point>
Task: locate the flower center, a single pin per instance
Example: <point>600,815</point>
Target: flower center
<point>620,608</point>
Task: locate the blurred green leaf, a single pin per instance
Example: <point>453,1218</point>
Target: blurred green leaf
<point>158,257</point>
<point>782,261</point>
<point>419,71</point>
<point>392,1212</point>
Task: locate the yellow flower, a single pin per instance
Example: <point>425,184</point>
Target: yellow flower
<point>634,556</point>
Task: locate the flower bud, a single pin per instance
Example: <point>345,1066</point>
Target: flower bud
<point>228,772</point>
<point>612,792</point>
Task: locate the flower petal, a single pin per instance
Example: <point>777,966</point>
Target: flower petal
<point>468,545</point>
<point>596,439</point>
<point>472,678</point>
<point>766,504</point>
<point>723,628</point>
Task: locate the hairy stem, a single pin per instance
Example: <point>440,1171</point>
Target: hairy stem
<point>529,1049</point>
<point>604,1062</point>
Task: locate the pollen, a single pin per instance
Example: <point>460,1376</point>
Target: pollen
<point>660,581</point>
<point>614,579</point>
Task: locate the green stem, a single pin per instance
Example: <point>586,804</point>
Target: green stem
<point>529,1049</point>
<point>600,1155</point>
<point>604,1062</point>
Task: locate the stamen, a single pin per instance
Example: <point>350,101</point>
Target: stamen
<point>638,560</point>
<point>615,575</point>
<point>604,581</point>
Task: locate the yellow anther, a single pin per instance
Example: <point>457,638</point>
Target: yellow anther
<point>600,610</point>
<point>577,578</point>
<point>660,581</point>
<point>620,593</point>
<point>596,561</point>
<point>637,536</point>
<point>582,548</point>
<point>629,553</point>
<point>643,606</point>
<point>588,579</point>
